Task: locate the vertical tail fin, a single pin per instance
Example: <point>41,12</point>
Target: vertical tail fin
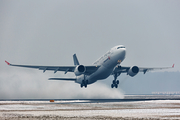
<point>76,62</point>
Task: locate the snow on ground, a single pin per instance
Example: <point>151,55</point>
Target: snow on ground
<point>169,109</point>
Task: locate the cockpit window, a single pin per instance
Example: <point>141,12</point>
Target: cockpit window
<point>121,47</point>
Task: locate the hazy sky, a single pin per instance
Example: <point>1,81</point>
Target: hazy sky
<point>49,32</point>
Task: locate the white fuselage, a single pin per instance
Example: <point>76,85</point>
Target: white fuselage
<point>107,63</point>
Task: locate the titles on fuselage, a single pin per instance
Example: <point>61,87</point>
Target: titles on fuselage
<point>104,58</point>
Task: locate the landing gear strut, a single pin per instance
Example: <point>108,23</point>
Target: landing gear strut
<point>115,82</point>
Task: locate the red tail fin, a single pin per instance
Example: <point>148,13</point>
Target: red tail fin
<point>173,66</point>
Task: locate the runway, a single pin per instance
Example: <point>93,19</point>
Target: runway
<point>151,107</point>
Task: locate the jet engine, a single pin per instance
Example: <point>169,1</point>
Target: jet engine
<point>133,71</point>
<point>80,69</point>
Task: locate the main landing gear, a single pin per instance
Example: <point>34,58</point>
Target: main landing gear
<point>84,83</point>
<point>115,82</point>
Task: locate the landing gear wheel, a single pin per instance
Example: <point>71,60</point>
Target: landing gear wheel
<point>117,82</point>
<point>116,86</point>
<point>112,85</point>
<point>81,85</point>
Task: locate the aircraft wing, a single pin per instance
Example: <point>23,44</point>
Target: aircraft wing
<point>151,69</point>
<point>89,69</point>
<point>123,69</point>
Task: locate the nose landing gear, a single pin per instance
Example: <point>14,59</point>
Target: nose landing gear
<point>84,83</point>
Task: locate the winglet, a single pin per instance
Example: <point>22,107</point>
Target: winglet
<point>8,63</point>
<point>173,66</point>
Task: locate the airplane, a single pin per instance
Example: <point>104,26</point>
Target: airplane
<point>106,65</point>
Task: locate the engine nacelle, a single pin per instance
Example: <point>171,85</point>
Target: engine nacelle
<point>79,70</point>
<point>133,71</point>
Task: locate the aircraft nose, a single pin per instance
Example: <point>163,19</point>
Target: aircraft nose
<point>123,52</point>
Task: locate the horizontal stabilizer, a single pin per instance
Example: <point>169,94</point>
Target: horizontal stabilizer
<point>68,79</point>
